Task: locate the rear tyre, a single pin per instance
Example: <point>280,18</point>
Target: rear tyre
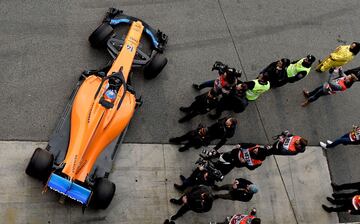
<point>101,35</point>
<point>40,164</point>
<point>103,193</point>
<point>155,66</point>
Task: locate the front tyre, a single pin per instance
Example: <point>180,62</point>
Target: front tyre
<point>103,193</point>
<point>155,66</point>
<point>40,164</point>
<point>101,35</point>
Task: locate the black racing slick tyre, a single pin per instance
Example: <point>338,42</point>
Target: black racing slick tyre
<point>103,193</point>
<point>40,164</point>
<point>101,35</point>
<point>155,66</point>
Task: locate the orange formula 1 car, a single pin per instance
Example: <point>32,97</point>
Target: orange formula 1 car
<point>78,159</point>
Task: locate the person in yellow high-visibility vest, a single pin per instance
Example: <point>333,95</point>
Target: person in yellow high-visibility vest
<point>257,87</point>
<point>342,55</point>
<point>299,69</point>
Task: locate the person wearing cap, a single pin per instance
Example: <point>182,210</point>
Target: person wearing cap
<point>348,204</point>
<point>257,87</point>
<point>350,138</point>
<point>297,70</point>
<point>277,72</point>
<point>342,55</point>
<point>330,87</point>
<point>240,190</point>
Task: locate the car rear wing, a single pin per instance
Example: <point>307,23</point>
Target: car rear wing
<point>69,189</point>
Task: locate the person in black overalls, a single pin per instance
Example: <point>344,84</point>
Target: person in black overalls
<point>202,136</point>
<point>198,199</point>
<point>202,105</point>
<point>234,101</point>
<point>277,72</point>
<point>240,190</point>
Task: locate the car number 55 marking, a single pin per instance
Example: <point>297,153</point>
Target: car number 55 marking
<point>130,47</point>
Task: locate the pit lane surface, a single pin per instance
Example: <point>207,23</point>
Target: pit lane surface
<point>290,189</point>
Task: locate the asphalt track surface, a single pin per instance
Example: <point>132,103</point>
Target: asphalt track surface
<point>44,48</point>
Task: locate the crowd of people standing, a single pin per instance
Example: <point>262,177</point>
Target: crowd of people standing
<point>228,92</point>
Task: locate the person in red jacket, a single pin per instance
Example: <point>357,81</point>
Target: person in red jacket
<point>287,144</point>
<point>219,164</point>
<point>247,155</point>
<point>241,219</point>
<point>224,83</point>
<point>330,87</point>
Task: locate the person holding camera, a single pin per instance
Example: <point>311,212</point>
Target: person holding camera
<point>202,105</point>
<point>235,101</point>
<point>277,72</point>
<point>240,190</point>
<point>226,80</point>
<point>247,155</point>
<point>204,174</point>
